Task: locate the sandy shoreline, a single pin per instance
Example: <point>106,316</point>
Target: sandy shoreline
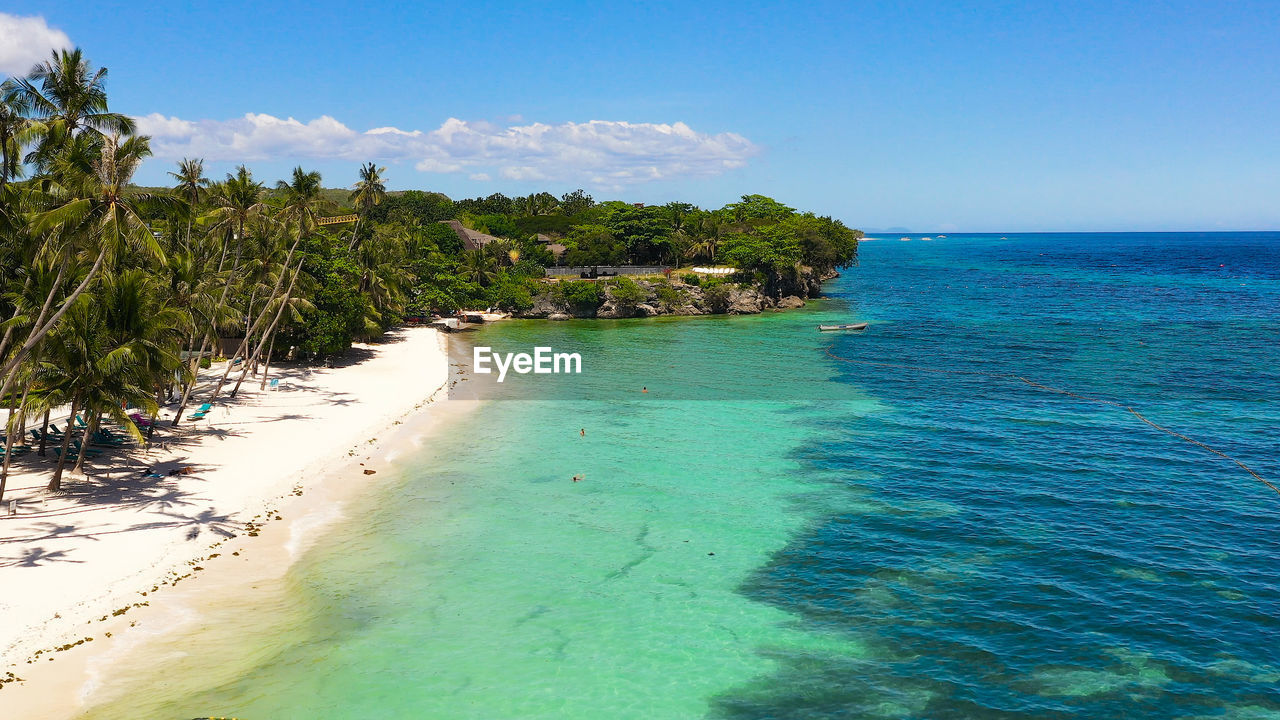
<point>271,470</point>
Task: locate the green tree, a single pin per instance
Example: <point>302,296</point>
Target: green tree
<point>191,187</point>
<point>369,192</point>
<point>69,97</point>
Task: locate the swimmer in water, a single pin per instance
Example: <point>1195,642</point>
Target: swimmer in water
<point>644,389</point>
<point>583,431</point>
<point>576,478</point>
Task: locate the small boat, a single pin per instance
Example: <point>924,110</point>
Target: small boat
<point>854,326</point>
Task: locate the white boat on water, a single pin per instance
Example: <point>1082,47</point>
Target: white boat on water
<point>853,326</point>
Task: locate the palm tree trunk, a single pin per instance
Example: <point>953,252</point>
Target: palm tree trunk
<point>86,441</point>
<point>151,427</point>
<point>56,483</point>
<point>244,344</point>
<point>8,453</point>
<point>266,365</point>
<point>4,469</point>
<point>355,235</point>
<point>271,330</point>
<point>209,336</point>
<point>39,331</point>
<point>17,310</point>
<point>186,386</point>
<point>44,432</point>
<point>11,434</point>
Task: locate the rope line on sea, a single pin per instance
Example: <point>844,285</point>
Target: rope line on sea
<point>1060,391</point>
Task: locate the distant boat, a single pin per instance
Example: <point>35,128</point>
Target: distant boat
<point>905,239</point>
<point>926,238</point>
<point>941,236</point>
<point>854,326</point>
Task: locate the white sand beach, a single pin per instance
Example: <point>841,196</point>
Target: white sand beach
<point>112,538</point>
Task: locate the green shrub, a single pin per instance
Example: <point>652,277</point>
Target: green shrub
<point>693,279</point>
<point>669,296</point>
<point>580,294</point>
<point>626,292</point>
<point>717,297</point>
<point>511,293</point>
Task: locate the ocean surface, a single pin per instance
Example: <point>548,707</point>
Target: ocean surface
<point>788,524</point>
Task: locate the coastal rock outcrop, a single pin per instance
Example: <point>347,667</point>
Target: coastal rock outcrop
<point>745,301</point>
<point>683,295</point>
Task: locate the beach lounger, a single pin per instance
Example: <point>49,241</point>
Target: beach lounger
<point>52,435</point>
<point>75,449</point>
<point>206,407</point>
<point>73,452</point>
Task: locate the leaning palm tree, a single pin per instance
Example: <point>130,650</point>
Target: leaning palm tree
<point>96,219</point>
<point>370,191</point>
<point>298,213</point>
<point>238,208</point>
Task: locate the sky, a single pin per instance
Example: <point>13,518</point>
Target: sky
<point>933,116</point>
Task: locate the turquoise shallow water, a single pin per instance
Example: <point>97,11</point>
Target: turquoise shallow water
<point>773,533</point>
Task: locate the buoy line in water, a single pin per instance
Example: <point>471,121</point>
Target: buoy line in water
<point>1060,391</point>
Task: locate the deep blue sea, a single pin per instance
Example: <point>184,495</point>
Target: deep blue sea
<point>794,524</point>
<point>1073,562</point>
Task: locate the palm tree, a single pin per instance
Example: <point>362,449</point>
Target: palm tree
<point>70,97</point>
<point>15,131</point>
<point>97,220</point>
<point>383,279</point>
<point>370,191</point>
<point>115,348</point>
<point>191,187</point>
<point>298,212</point>
<point>238,206</point>
<point>477,266</point>
<point>707,231</point>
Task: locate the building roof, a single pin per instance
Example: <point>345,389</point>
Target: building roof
<point>471,239</point>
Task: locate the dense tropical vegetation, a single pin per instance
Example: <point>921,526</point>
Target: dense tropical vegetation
<point>112,295</point>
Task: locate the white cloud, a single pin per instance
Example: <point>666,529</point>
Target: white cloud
<point>25,41</point>
<point>599,152</point>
